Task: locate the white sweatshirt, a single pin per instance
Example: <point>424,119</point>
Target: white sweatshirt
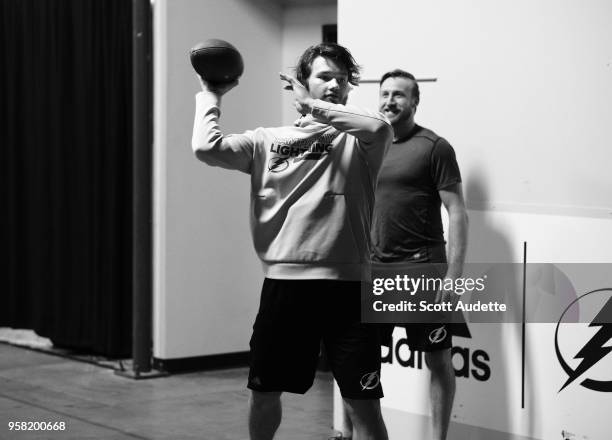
<point>312,186</point>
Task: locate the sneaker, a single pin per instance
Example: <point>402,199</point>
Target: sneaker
<point>339,436</point>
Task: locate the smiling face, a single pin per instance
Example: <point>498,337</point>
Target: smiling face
<point>397,101</point>
<point>328,81</point>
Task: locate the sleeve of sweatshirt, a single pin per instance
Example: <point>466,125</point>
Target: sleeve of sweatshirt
<point>371,128</point>
<point>234,152</point>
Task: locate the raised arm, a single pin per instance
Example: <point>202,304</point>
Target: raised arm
<point>208,143</point>
<point>367,126</point>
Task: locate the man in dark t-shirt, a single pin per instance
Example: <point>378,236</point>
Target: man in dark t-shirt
<point>419,174</point>
<point>407,220</point>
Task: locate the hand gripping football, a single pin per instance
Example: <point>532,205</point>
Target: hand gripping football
<point>217,61</point>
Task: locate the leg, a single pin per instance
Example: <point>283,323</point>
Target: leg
<point>284,352</point>
<point>353,351</point>
<point>265,414</point>
<point>346,431</point>
<point>366,419</point>
<point>442,391</point>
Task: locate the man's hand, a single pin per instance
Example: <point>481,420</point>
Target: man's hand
<point>446,295</point>
<point>217,89</point>
<point>303,100</point>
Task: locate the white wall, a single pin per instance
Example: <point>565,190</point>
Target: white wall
<point>207,276</point>
<point>524,94</point>
<point>491,409</point>
<point>302,26</point>
<point>524,90</point>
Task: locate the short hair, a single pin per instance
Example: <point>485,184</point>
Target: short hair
<point>339,54</point>
<point>399,73</point>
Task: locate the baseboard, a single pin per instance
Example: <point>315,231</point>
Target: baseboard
<point>201,363</point>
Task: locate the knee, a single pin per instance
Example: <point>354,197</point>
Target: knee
<point>366,418</point>
<point>439,361</point>
<point>262,399</point>
<point>363,411</point>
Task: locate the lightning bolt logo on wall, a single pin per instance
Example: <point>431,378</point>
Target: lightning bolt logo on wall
<point>594,349</point>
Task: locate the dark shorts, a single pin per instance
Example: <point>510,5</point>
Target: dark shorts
<point>429,261</point>
<point>294,317</point>
<point>425,337</point>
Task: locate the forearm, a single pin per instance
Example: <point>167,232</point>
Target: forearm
<point>365,125</point>
<point>457,241</point>
<point>207,137</point>
<point>208,142</point>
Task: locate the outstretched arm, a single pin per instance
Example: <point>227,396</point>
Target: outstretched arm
<point>208,143</point>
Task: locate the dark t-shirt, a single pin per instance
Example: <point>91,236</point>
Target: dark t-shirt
<point>407,208</point>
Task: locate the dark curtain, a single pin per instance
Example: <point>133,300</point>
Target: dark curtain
<point>66,171</point>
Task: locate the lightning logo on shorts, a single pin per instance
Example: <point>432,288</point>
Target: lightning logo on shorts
<point>369,381</point>
<point>437,335</point>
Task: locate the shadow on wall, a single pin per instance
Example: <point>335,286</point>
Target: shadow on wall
<point>490,244</point>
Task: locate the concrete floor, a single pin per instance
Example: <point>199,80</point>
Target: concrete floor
<point>97,404</point>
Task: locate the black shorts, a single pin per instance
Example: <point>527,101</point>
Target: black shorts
<point>429,261</point>
<point>425,337</point>
<point>294,317</point>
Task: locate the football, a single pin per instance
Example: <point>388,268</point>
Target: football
<point>217,61</point>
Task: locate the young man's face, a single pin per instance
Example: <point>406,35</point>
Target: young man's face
<point>395,100</point>
<point>328,81</point>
